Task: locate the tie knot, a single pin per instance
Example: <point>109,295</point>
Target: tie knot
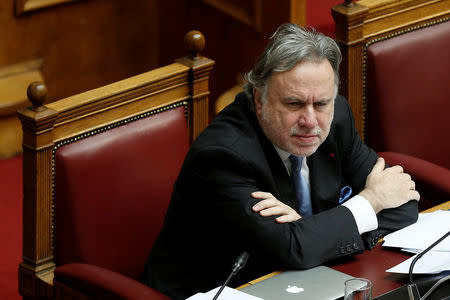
<point>296,162</point>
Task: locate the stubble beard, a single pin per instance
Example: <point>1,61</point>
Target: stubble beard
<point>276,136</point>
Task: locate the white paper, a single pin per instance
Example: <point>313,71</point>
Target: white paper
<point>227,294</point>
<point>428,229</point>
<point>432,262</point>
<point>417,237</point>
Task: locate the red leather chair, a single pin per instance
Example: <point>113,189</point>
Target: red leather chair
<point>98,174</point>
<point>395,75</point>
<point>407,98</point>
<point>112,190</point>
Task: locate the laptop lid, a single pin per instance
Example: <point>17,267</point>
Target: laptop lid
<point>320,283</point>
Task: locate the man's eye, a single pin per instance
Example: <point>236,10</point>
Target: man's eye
<point>320,104</point>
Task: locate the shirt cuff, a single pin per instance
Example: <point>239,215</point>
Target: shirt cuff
<point>362,211</point>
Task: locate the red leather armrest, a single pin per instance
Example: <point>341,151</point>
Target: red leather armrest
<point>100,283</point>
<point>429,175</point>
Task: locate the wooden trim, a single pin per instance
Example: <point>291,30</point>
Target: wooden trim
<point>388,18</point>
<point>199,89</point>
<point>298,12</point>
<point>443,206</point>
<point>23,6</point>
<point>259,279</point>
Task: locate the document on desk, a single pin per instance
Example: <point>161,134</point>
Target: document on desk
<point>417,237</point>
<point>227,294</point>
<point>433,262</point>
<point>428,228</point>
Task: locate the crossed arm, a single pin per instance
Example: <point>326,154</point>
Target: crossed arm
<point>385,188</point>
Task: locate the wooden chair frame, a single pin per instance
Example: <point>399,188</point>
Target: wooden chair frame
<point>45,127</point>
<point>359,24</point>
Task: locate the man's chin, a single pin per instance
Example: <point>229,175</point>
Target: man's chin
<point>305,150</point>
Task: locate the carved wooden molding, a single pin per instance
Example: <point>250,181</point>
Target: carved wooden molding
<point>250,14</point>
<point>23,6</point>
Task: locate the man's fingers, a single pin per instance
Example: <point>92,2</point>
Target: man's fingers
<point>262,195</point>
<point>270,206</point>
<point>413,195</point>
<point>407,176</point>
<point>379,166</point>
<point>287,218</point>
<point>264,204</point>
<point>273,211</point>
<point>396,168</point>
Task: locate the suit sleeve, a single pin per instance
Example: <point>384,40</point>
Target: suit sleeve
<point>359,160</point>
<point>227,180</point>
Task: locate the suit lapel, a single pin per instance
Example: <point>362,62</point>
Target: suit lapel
<point>325,177</point>
<point>281,179</point>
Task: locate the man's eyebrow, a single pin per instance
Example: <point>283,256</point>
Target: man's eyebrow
<point>324,100</point>
<point>293,98</point>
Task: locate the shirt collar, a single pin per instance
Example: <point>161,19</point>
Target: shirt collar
<point>283,154</point>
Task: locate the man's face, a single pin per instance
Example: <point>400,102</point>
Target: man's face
<point>299,107</point>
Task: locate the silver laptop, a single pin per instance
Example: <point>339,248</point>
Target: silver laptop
<point>320,283</point>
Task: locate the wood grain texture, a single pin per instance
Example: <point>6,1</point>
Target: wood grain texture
<point>83,44</point>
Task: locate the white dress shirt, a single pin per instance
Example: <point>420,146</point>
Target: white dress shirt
<point>365,217</point>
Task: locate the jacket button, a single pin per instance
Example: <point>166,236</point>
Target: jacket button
<point>355,246</point>
<point>342,250</point>
<point>349,248</point>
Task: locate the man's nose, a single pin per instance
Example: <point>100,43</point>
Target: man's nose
<point>308,117</point>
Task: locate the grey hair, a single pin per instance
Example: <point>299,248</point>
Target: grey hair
<point>288,46</point>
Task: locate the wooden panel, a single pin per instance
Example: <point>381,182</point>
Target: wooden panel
<point>84,44</point>
<point>14,80</point>
<point>86,122</point>
<point>248,12</point>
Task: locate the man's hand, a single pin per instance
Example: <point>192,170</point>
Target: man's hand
<point>388,188</point>
<point>271,206</point>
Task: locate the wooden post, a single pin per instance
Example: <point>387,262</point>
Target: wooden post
<point>349,19</point>
<point>37,265</point>
<point>198,81</point>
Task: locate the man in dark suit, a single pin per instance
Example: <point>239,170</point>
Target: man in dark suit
<point>237,189</point>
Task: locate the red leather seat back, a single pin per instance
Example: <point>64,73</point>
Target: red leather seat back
<point>112,190</point>
<point>408,94</point>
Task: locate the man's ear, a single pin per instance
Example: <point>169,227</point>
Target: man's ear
<point>257,99</point>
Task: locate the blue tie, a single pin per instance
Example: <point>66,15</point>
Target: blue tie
<point>300,186</point>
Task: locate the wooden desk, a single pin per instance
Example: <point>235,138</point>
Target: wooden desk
<point>372,265</point>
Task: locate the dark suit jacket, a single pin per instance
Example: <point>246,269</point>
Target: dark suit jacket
<point>210,220</point>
